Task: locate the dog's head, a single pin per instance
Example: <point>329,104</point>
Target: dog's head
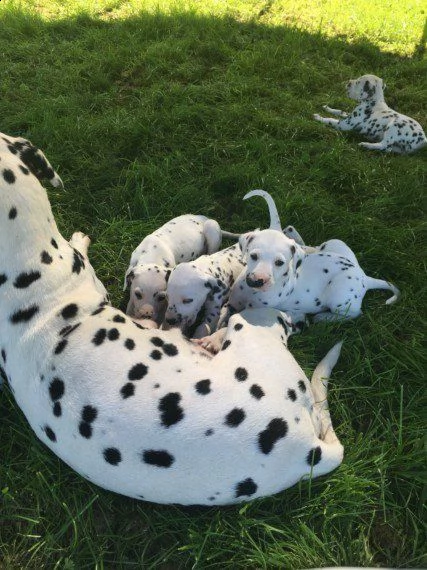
<point>148,284</point>
<point>367,87</point>
<point>187,291</point>
<point>271,257</point>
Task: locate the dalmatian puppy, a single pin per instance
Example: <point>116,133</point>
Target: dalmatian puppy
<point>393,131</point>
<point>328,283</point>
<point>197,290</point>
<point>142,412</point>
<point>181,239</point>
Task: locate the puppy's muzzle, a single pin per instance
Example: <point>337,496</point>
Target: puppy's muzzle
<point>255,283</point>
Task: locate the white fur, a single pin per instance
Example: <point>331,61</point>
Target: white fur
<point>393,131</point>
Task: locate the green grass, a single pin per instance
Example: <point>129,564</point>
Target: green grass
<point>153,109</point>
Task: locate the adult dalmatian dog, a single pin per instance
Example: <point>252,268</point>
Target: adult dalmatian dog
<point>392,131</point>
<point>182,239</point>
<point>140,412</point>
<point>326,281</point>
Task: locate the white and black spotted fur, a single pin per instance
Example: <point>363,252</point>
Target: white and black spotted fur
<point>180,240</point>
<point>393,131</point>
<point>328,283</point>
<point>198,290</point>
<point>140,412</point>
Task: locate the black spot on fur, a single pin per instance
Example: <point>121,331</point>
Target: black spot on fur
<point>50,433</point>
<point>157,341</point>
<point>314,456</point>
<point>9,175</point>
<point>241,374</point>
<point>235,417</point>
<point>78,262</point>
<point>137,372</point>
<point>54,244</point>
<point>85,430</point>
<point>69,311</point>
<point>170,349</point>
<point>276,429</point>
<point>129,344</point>
<point>127,390</point>
<point>226,344</point>
<point>112,455</point>
<point>292,395</point>
<point>25,279</point>
<point>171,412</point>
<point>56,389</point>
<point>302,386</point>
<point>203,387</point>
<point>24,315</point>
<point>99,337</point>
<point>238,326</point>
<point>46,258</point>
<point>3,279</point>
<point>113,334</point>
<point>156,355</point>
<point>256,391</point>
<point>13,213</point>
<point>97,311</point>
<point>119,319</point>
<point>24,170</point>
<point>89,414</point>
<point>159,458</point>
<point>57,409</point>
<point>246,488</point>
<point>60,346</point>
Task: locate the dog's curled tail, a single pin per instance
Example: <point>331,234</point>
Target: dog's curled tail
<point>274,214</point>
<point>372,283</point>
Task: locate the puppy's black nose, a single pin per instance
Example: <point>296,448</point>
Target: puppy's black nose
<point>254,282</point>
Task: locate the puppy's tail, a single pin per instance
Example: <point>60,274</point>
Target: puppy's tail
<point>274,214</point>
<point>372,283</point>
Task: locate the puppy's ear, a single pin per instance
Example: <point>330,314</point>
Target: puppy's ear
<point>245,240</point>
<point>129,277</point>
<point>298,255</point>
<point>213,285</point>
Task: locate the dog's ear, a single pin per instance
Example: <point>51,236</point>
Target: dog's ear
<point>298,255</point>
<point>245,240</point>
<point>214,285</point>
<point>129,277</point>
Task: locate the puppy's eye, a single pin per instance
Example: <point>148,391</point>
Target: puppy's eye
<point>187,301</point>
<point>254,256</point>
<point>279,262</point>
<point>138,295</point>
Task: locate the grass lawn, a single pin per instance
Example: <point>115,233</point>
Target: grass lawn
<point>152,109</point>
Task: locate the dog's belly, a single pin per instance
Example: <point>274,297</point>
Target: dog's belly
<point>155,420</point>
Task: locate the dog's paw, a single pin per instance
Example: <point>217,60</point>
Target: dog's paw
<point>317,117</point>
<point>80,241</point>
